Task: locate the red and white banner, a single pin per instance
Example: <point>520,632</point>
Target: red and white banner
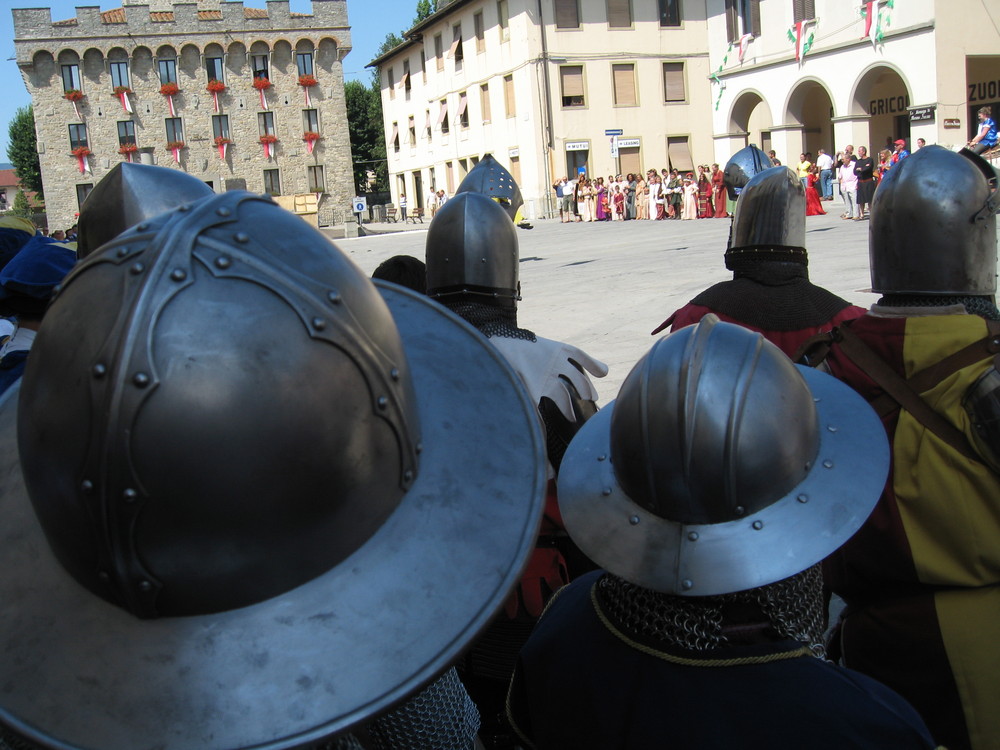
<point>222,150</point>
<point>263,100</point>
<point>267,150</point>
<point>744,43</point>
<point>170,104</point>
<point>126,104</point>
<point>177,155</point>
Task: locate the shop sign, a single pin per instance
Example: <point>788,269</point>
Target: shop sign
<point>628,143</point>
<point>577,145</point>
<point>920,114</point>
<point>952,123</point>
<point>513,152</point>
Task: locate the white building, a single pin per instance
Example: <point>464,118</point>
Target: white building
<point>543,85</point>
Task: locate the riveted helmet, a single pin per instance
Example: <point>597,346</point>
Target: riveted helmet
<point>129,194</point>
<point>490,178</point>
<point>933,225</point>
<point>770,212</point>
<point>472,249</point>
<point>721,466</point>
<point>244,482</point>
<point>743,165</point>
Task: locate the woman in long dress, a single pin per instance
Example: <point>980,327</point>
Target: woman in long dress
<point>813,205</point>
<point>601,195</point>
<point>581,199</point>
<point>641,198</point>
<point>654,197</point>
<point>705,209</point>
<point>690,210</point>
<point>719,192</point>
<point>630,186</point>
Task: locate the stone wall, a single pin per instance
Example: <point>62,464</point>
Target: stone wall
<point>142,34</point>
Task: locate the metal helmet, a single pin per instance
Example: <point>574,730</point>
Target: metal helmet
<point>490,178</point>
<point>743,165</point>
<point>472,249</point>
<point>131,193</point>
<point>721,466</point>
<point>15,231</point>
<point>933,225</point>
<point>251,505</point>
<point>771,212</point>
<point>28,280</point>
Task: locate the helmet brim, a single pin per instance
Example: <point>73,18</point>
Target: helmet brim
<point>807,524</point>
<point>326,655</point>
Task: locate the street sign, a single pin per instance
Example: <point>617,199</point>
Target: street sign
<point>360,204</point>
<point>614,147</point>
<point>619,131</point>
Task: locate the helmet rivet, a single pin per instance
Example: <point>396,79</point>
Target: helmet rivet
<point>145,586</point>
<point>828,464</point>
<point>223,211</point>
<point>394,373</point>
<point>809,465</point>
<point>382,402</point>
<point>223,261</point>
<point>606,491</point>
<point>996,342</point>
<point>130,495</point>
<point>318,323</point>
<point>739,510</point>
<point>687,584</point>
<point>99,370</point>
<point>482,260</point>
<point>241,237</point>
<point>143,226</point>
<point>831,428</point>
<point>803,498</point>
<point>420,448</point>
<point>634,520</point>
<point>408,475</point>
<point>816,399</point>
<point>55,290</point>
<point>334,296</point>
<point>103,575</point>
<point>602,457</point>
<point>86,486</point>
<point>122,252</point>
<point>137,268</point>
<point>140,379</point>
<point>178,274</point>
<point>693,536</point>
<point>184,207</point>
<point>758,525</point>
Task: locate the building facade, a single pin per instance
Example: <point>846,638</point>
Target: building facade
<point>135,83</point>
<point>550,88</point>
<point>866,74</point>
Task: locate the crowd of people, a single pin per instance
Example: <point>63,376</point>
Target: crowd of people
<point>253,499</point>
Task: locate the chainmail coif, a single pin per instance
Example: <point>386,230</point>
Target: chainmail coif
<point>794,608</point>
<point>982,306</point>
<point>490,320</point>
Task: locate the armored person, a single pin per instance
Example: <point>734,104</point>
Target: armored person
<point>249,499</point>
<point>770,291</point>
<point>922,577</point>
<point>710,509</point>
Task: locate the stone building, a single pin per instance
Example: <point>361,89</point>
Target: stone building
<point>124,61</point>
<point>550,88</point>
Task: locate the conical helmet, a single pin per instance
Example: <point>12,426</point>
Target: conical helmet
<point>721,466</point>
<point>490,178</point>
<point>472,249</point>
<point>933,225</point>
<point>743,165</point>
<point>129,194</point>
<point>770,212</point>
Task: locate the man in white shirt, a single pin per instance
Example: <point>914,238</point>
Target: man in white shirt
<point>825,163</point>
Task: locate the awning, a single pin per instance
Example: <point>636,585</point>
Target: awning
<point>444,112</point>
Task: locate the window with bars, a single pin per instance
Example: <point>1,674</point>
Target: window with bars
<point>213,67</point>
<point>510,104</point>
<point>220,126</point>
<point>167,70</point>
<point>265,123</point>
<point>567,14</point>
<point>484,102</point>
<point>304,63</point>
<point>175,130</point>
<point>317,184</point>
<point>619,14</point>
<point>126,133</point>
<point>503,20</point>
<point>259,66</point>
<point>477,24</point>
<point>119,74</point>
<point>803,10</point>
<point>670,12</point>
<point>571,83</point>
<point>272,182</point>
<point>674,89</point>
<point>71,77</point>
<point>623,79</point>
<point>310,120</point>
<point>78,137</point>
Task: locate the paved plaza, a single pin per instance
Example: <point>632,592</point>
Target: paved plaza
<point>605,286</point>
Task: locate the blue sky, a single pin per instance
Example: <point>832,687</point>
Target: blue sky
<point>370,21</point>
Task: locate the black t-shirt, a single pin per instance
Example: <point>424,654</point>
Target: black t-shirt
<point>865,168</point>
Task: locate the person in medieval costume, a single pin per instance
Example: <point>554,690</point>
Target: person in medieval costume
<point>472,268</point>
<point>26,285</point>
<point>709,491</point>
<point>922,578</point>
<point>250,499</point>
<point>770,291</point>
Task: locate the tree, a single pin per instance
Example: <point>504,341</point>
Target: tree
<point>424,9</point>
<point>364,123</point>
<point>21,207</point>
<point>22,149</point>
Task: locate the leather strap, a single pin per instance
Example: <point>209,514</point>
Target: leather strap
<point>902,391</point>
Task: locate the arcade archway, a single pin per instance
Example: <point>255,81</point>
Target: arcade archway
<point>883,95</point>
<point>751,115</point>
<point>811,106</point>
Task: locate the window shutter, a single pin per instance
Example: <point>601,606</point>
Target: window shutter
<point>673,82</point>
<point>624,79</point>
<point>732,22</point>
<point>680,154</point>
<point>755,17</point>
<point>508,95</point>
<point>619,14</point>
<point>567,14</point>
<point>572,80</point>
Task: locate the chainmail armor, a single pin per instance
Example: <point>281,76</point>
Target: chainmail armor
<point>490,320</point>
<point>984,307</point>
<point>771,291</point>
<point>794,607</point>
